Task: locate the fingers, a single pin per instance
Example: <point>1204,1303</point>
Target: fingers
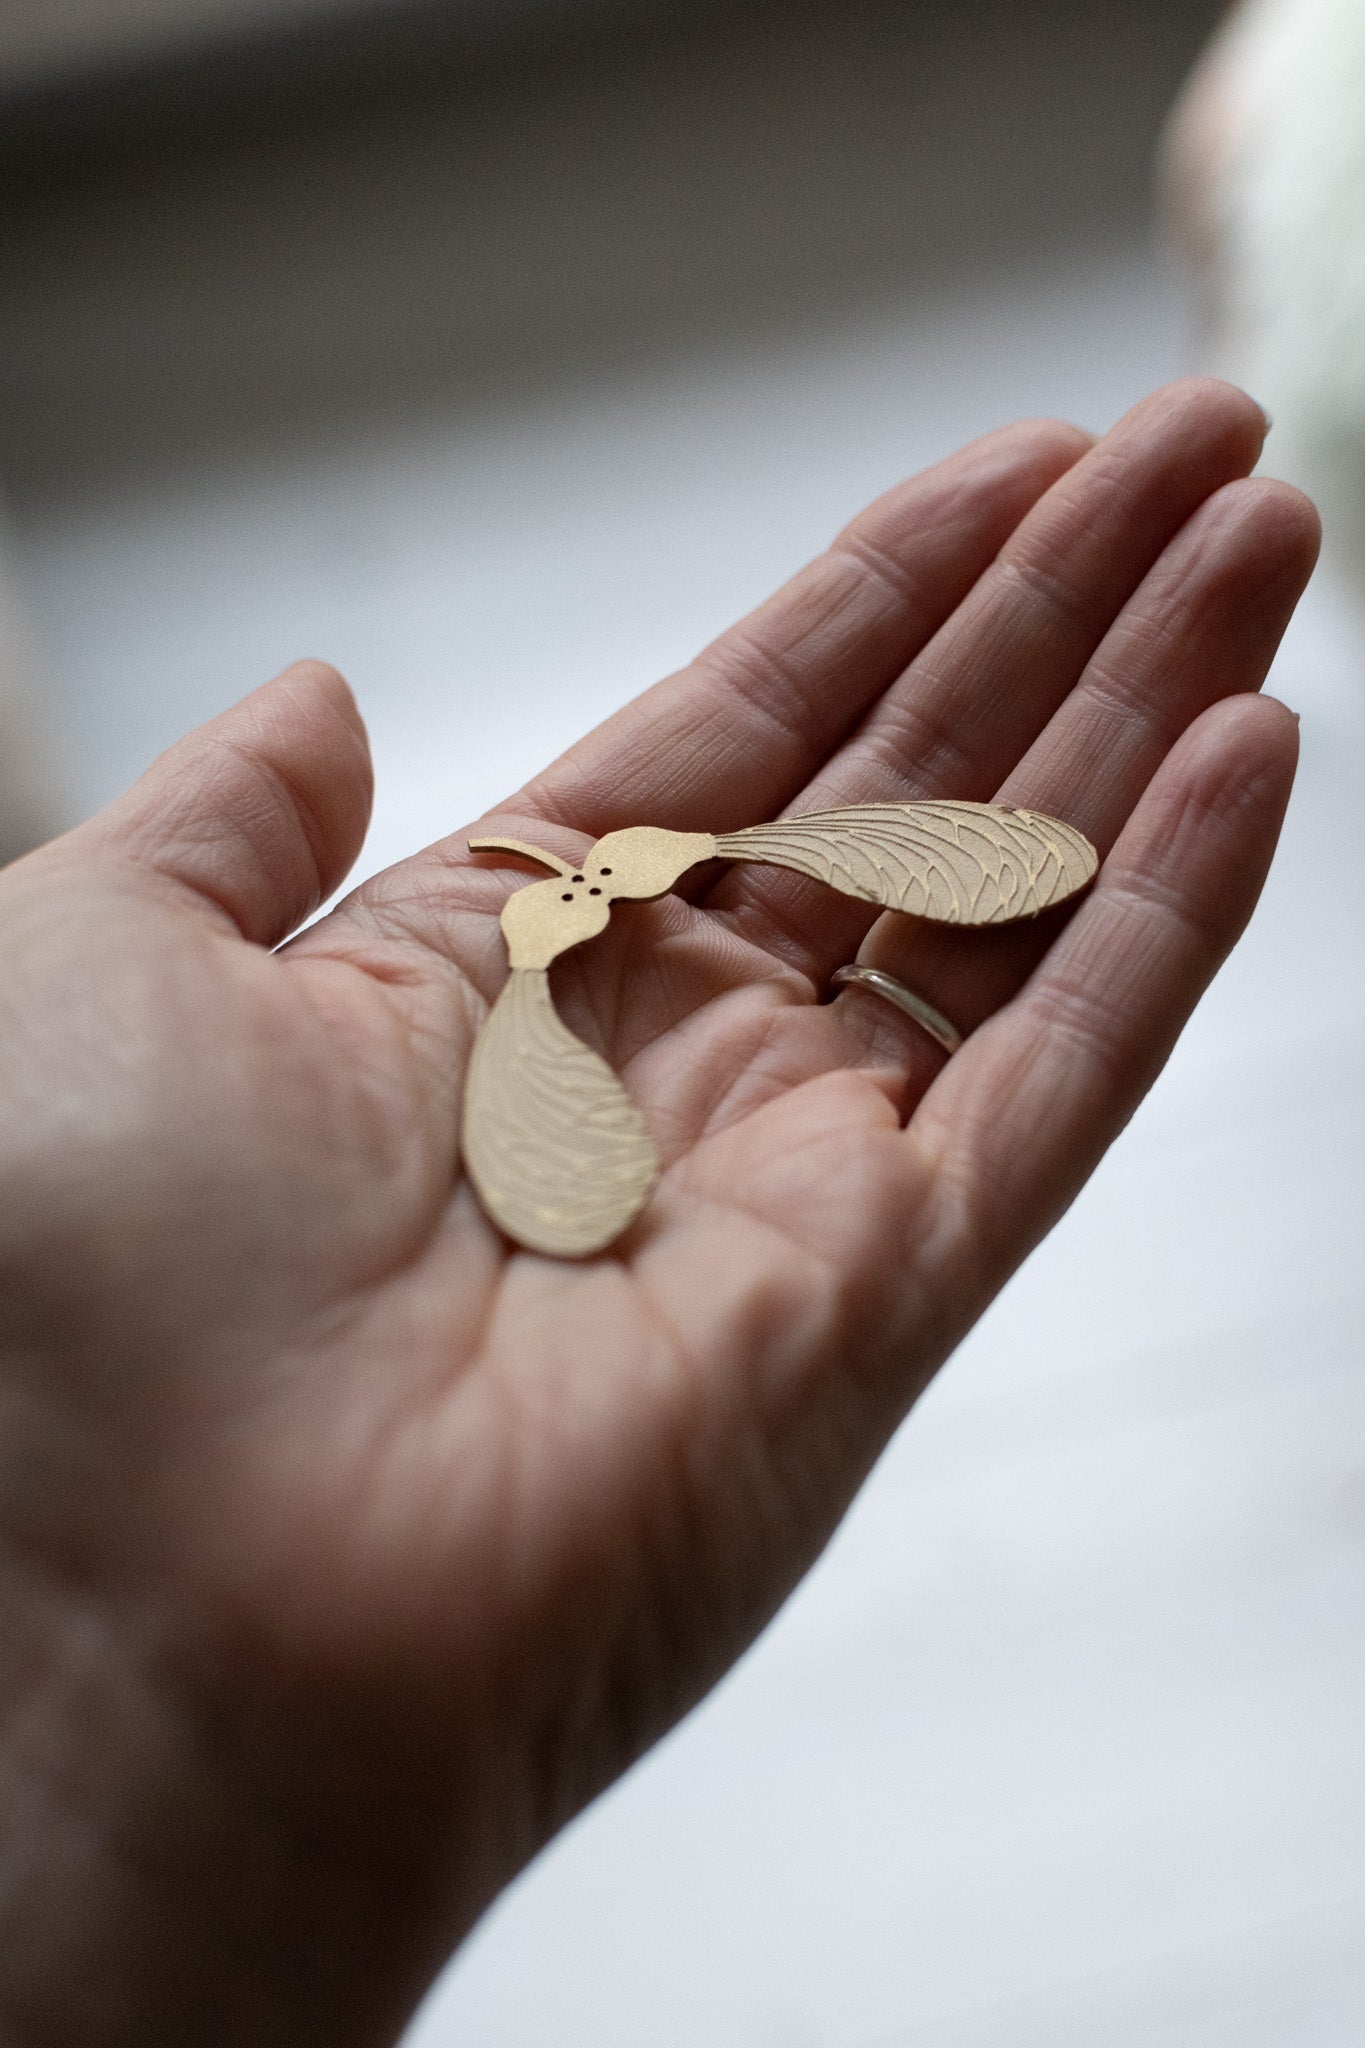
<point>966,709</point>
<point>729,739</point>
<point>732,738</point>
<point>260,812</point>
<point>1019,1118</point>
<point>1204,625</point>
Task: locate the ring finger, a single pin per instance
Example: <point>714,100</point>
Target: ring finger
<point>1204,625</point>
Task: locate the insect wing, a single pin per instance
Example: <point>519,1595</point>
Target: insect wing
<point>558,1151</point>
<point>959,863</point>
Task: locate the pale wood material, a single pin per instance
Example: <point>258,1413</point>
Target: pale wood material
<point>557,1149</point>
<point>560,1156</point>
<point>958,863</point>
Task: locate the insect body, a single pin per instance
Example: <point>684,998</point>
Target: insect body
<point>560,1155</point>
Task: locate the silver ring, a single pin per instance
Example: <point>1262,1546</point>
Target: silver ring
<point>892,991</point>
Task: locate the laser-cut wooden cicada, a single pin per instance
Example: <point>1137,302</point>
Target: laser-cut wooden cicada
<point>558,1152</point>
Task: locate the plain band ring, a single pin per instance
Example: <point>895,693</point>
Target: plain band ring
<point>890,990</point>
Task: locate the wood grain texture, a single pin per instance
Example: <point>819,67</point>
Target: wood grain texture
<point>959,863</point>
<point>560,1155</point>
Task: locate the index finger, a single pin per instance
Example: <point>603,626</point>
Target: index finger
<point>732,737</point>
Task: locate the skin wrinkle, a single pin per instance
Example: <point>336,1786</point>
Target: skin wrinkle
<point>954,1248</point>
<point>402,924</point>
<point>849,1140</point>
<point>1025,585</point>
<point>493,1494</point>
<point>726,749</point>
<point>1079,1012</point>
<point>1107,697</point>
<point>904,514</point>
<point>292,814</point>
<point>912,741</point>
<point>749,1056</point>
<point>841,596</point>
<point>778,926</point>
<point>880,566</point>
<point>198,897</point>
<point>697,1112</point>
<point>1210,800</point>
<point>763,677</point>
<point>637,966</point>
<point>1213,587</point>
<point>309,821</point>
<point>1070,1013</point>
<point>1179,593</point>
<point>1058,554</point>
<point>424,1047</point>
<point>1069,1000</point>
<point>459,882</point>
<point>1107,470</point>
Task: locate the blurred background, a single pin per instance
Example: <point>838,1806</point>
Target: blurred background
<point>502,351</point>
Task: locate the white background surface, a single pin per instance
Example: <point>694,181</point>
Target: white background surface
<point>1061,1743</point>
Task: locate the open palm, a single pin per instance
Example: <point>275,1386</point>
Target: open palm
<point>400,1543</point>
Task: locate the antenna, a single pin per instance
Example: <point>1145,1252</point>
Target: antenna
<point>547,860</point>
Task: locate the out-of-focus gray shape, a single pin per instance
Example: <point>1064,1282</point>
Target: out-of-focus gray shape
<point>43,42</point>
<point>29,810</point>
<point>1265,184</point>
<point>40,38</point>
<point>442,235</point>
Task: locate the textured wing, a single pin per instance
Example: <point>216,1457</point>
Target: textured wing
<point>556,1148</point>
<point>960,863</point>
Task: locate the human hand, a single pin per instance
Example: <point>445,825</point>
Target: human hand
<point>345,1552</point>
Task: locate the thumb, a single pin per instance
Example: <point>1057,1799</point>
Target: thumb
<point>262,811</point>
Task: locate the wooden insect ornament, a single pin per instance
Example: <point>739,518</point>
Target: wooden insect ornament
<point>557,1150</point>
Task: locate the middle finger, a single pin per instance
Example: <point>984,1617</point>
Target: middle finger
<point>968,707</point>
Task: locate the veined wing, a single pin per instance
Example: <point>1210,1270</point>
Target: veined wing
<point>556,1148</point>
<point>960,863</point>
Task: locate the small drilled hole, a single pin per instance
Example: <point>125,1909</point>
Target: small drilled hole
<point>594,892</point>
<point>576,878</point>
<point>604,871</point>
<point>567,897</point>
